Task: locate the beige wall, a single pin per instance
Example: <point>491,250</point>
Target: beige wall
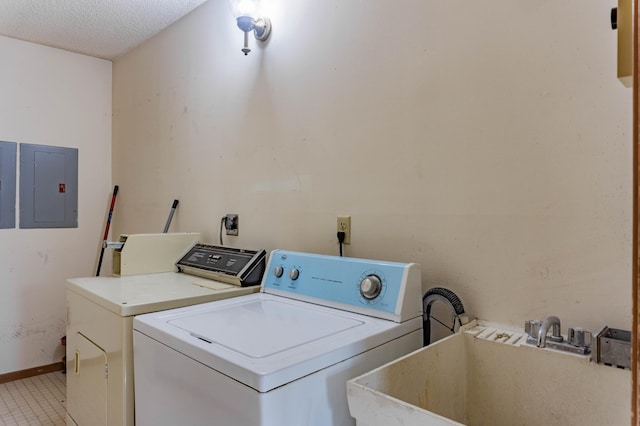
<point>489,141</point>
<point>56,98</point>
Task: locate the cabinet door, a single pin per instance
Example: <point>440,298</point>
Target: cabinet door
<point>87,383</point>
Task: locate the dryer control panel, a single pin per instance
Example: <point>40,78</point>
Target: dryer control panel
<point>227,264</point>
<point>388,290</point>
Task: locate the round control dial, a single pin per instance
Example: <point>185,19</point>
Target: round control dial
<point>370,287</point>
<point>278,271</point>
<point>294,274</point>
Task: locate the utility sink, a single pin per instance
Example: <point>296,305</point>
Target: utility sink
<point>490,376</point>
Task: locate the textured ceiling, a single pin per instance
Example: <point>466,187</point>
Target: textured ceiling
<point>101,28</point>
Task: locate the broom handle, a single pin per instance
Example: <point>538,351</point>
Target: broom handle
<point>173,209</point>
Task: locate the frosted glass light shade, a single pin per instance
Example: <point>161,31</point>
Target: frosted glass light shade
<point>244,8</point>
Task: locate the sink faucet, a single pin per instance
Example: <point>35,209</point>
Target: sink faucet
<point>552,322</point>
<point>578,339</point>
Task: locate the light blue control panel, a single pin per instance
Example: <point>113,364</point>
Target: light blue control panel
<point>369,284</point>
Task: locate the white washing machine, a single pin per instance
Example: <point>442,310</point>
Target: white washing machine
<point>100,312</point>
<point>281,356</point>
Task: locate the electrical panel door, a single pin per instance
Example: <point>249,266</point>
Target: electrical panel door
<point>48,187</point>
<point>8,184</point>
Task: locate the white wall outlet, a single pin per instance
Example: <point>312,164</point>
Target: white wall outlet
<point>344,225</point>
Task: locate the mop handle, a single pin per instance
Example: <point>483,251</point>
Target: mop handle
<point>106,228</point>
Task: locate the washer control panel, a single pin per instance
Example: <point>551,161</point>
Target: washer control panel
<point>373,287</point>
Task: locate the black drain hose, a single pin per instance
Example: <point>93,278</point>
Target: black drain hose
<point>444,295</point>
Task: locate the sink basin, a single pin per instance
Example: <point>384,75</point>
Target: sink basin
<point>490,376</point>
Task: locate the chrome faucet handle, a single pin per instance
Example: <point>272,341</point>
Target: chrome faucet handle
<point>578,336</point>
<point>531,327</point>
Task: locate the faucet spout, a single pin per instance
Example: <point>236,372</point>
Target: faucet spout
<point>552,322</point>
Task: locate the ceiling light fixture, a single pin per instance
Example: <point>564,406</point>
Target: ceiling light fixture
<point>246,14</point>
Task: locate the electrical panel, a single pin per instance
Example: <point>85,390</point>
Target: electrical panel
<point>48,187</point>
<point>8,184</point>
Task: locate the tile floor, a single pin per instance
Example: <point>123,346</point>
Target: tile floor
<point>38,400</point>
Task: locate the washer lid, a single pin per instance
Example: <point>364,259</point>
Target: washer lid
<point>261,328</point>
<point>267,341</point>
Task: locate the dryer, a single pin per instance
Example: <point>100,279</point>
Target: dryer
<point>281,356</point>
<point>100,313</point>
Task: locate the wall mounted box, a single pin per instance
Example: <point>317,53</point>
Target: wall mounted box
<point>48,187</point>
<point>8,184</point>
<point>625,42</point>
